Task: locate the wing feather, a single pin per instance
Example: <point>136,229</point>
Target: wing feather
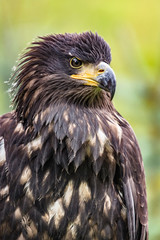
<point>134,187</point>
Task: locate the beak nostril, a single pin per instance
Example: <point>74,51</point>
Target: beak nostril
<point>101,71</point>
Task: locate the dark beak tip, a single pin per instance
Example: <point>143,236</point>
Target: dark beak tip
<point>113,92</point>
<point>107,81</point>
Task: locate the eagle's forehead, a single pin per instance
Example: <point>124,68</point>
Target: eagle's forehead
<point>90,47</point>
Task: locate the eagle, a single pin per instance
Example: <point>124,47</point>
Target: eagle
<point>70,164</point>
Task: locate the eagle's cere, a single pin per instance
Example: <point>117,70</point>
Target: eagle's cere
<point>70,165</point>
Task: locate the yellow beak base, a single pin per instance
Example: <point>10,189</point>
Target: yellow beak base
<point>87,78</point>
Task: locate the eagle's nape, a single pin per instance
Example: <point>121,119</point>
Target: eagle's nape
<point>70,165</point>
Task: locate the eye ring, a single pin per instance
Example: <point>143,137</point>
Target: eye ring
<point>76,62</point>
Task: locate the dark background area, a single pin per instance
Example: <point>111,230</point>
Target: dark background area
<point>132,29</point>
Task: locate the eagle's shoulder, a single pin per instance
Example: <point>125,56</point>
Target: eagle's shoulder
<point>8,122</point>
<point>8,127</point>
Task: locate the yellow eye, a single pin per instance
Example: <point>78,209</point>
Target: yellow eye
<point>75,62</point>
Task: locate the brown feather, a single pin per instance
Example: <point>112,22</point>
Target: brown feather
<point>70,165</point>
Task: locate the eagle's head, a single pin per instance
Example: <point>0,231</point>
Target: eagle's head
<point>69,68</point>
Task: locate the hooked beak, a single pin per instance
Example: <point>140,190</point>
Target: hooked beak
<point>101,76</point>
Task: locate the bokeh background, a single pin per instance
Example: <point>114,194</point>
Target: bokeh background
<point>132,29</point>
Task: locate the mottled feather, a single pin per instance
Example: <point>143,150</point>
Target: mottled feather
<point>70,165</point>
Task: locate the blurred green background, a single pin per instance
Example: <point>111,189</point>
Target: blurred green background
<point>132,29</point>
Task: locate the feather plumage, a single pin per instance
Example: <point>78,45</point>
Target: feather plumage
<point>70,165</point>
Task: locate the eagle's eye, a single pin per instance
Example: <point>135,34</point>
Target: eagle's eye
<point>75,62</point>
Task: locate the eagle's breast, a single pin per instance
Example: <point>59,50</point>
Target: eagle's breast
<point>69,170</point>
